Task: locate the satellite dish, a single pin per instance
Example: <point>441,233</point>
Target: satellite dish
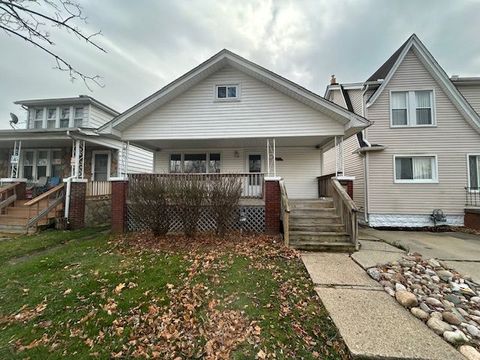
<point>13,120</point>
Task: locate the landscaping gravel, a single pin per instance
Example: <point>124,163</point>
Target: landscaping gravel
<point>447,302</point>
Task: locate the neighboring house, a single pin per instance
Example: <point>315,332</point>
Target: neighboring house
<point>233,117</point>
<point>422,151</point>
<point>61,133</point>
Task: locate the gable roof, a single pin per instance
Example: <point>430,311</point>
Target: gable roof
<point>383,70</point>
<point>437,73</point>
<point>215,63</point>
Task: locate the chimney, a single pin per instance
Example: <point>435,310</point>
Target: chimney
<point>333,80</point>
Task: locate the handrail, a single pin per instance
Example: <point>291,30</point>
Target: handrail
<point>44,195</point>
<point>285,212</point>
<point>345,208</point>
<point>8,187</point>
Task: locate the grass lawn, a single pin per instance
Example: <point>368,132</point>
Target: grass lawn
<point>85,294</point>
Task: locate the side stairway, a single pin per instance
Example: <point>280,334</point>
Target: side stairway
<point>314,225</point>
<point>14,218</point>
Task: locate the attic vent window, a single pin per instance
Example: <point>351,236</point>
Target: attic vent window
<point>227,92</point>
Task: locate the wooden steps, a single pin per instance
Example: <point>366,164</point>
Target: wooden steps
<point>314,225</point>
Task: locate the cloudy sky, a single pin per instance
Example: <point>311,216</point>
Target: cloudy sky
<point>150,43</point>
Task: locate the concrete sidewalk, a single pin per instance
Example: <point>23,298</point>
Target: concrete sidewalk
<point>372,323</point>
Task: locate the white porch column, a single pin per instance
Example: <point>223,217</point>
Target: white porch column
<point>339,156</point>
<point>78,159</point>
<point>123,160</point>
<point>271,158</point>
<point>15,159</point>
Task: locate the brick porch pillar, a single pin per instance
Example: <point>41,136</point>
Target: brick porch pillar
<point>272,205</point>
<point>76,213</point>
<point>347,183</point>
<point>472,218</point>
<point>119,206</point>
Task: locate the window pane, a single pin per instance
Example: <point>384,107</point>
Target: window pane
<point>78,122</point>
<point>473,163</point>
<point>424,116</point>
<point>175,163</point>
<point>423,99</point>
<point>28,172</point>
<point>254,163</point>
<point>65,113</point>
<point>78,112</point>
<point>399,100</point>
<point>232,91</point>
<point>41,171</point>
<point>28,158</point>
<point>403,168</point>
<point>39,114</point>
<point>195,163</point>
<point>42,158</point>
<point>399,117</point>
<point>37,124</point>
<point>214,164</point>
<point>422,168</point>
<point>50,124</point>
<point>221,92</point>
<point>64,123</point>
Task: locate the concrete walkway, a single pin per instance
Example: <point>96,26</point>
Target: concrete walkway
<point>459,251</point>
<point>371,322</point>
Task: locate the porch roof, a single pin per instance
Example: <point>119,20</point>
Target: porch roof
<point>219,143</point>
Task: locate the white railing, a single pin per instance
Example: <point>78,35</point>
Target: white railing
<point>252,183</point>
<point>99,188</point>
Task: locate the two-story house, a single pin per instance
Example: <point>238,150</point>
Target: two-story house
<point>422,151</point>
<point>60,138</point>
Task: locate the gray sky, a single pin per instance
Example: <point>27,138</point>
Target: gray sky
<point>150,43</point>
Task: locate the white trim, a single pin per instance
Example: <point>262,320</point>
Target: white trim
<point>226,86</point>
<point>469,185</point>
<point>438,73</point>
<point>434,180</point>
<point>412,107</point>
<point>101,152</point>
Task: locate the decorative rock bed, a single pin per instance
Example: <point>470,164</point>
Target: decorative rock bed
<point>447,302</point>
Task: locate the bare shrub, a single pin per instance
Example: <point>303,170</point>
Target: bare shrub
<point>150,198</point>
<point>224,196</point>
<point>189,197</point>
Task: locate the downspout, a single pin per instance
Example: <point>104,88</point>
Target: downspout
<point>365,160</point>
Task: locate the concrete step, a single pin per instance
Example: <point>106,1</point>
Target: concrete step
<point>338,228</point>
<point>312,221</point>
<point>311,204</point>
<point>323,246</point>
<point>313,236</point>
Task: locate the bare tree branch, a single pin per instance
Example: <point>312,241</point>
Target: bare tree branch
<point>23,19</point>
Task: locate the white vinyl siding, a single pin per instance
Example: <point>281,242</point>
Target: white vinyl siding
<point>412,108</point>
<point>451,140</point>
<point>472,94</point>
<point>139,160</point>
<point>356,100</point>
<point>262,112</point>
<point>300,166</point>
<point>415,169</point>
<point>96,117</point>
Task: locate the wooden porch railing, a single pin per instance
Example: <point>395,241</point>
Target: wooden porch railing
<point>285,213</point>
<point>53,198</point>
<point>8,195</point>
<point>252,183</point>
<point>329,186</point>
<point>472,197</point>
<point>98,188</point>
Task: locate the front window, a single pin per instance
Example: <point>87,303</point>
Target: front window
<point>42,163</point>
<point>474,172</point>
<point>415,169</point>
<point>51,118</point>
<point>38,119</point>
<point>227,92</point>
<point>28,162</point>
<point>411,108</point>
<point>64,117</point>
<point>56,169</point>
<point>78,118</point>
<point>195,163</point>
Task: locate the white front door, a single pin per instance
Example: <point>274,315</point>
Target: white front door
<point>100,165</point>
<point>253,187</point>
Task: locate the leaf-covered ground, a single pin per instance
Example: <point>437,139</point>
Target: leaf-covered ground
<point>86,294</point>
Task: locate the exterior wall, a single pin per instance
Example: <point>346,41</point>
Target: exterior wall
<point>355,166</point>
<point>451,140</point>
<point>98,211</point>
<point>300,166</point>
<point>139,160</point>
<point>356,100</point>
<point>261,112</point>
<point>472,94</point>
<point>337,98</point>
<point>328,164</point>
<point>4,163</point>
<point>97,117</point>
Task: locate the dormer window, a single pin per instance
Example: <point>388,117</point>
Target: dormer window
<point>78,118</point>
<point>227,92</point>
<point>38,119</point>
<point>64,117</point>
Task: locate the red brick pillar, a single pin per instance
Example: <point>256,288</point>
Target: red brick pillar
<point>472,219</point>
<point>272,206</point>
<point>347,183</point>
<point>119,206</point>
<point>21,190</point>
<point>76,211</point>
